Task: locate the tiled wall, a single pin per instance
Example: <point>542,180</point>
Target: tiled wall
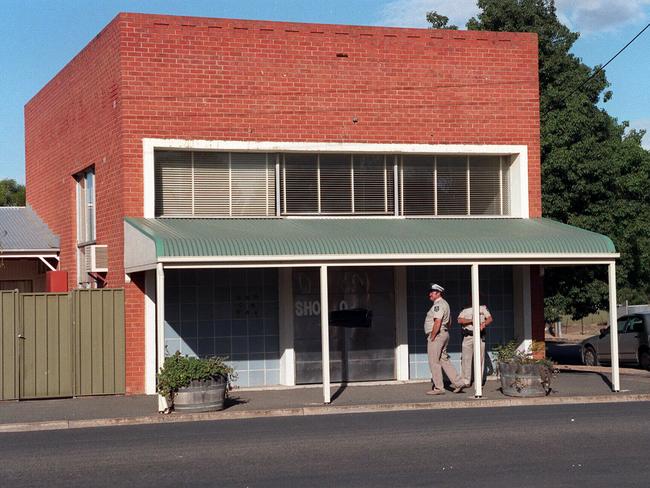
<point>231,313</point>
<point>496,291</point>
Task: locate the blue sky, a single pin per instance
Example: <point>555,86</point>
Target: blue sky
<point>39,37</point>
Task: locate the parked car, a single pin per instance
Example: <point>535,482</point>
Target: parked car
<point>633,343</point>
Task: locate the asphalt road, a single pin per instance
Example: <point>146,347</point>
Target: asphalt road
<point>569,445</point>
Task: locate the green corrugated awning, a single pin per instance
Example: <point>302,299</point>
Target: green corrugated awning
<point>346,239</point>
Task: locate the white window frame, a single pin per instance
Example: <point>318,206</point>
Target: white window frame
<point>82,243</point>
<point>519,186</point>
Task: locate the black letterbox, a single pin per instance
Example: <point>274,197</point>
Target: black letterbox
<point>353,317</point>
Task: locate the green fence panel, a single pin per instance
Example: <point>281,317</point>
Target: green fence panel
<point>8,345</point>
<point>99,342</point>
<point>45,352</point>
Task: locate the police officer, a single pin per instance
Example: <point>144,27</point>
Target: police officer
<point>436,326</point>
<point>465,320</point>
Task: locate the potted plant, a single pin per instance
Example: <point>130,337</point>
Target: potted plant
<point>194,384</point>
<point>521,373</point>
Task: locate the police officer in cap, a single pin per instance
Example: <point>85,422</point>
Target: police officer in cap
<point>465,318</point>
<point>436,327</point>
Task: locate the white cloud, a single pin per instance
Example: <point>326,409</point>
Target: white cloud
<point>585,16</point>
<point>642,124</point>
<point>591,16</point>
<point>412,13</point>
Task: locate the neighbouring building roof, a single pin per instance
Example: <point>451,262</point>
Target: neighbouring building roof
<point>21,230</point>
<point>291,240</point>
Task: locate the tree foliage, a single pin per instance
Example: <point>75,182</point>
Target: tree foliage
<point>595,173</point>
<point>12,194</point>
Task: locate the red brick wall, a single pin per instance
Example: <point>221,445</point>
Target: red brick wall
<point>199,78</point>
<point>75,122</point>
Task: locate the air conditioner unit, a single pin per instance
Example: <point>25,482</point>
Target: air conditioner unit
<point>97,259</point>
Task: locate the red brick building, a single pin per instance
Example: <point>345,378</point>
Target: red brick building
<point>153,98</point>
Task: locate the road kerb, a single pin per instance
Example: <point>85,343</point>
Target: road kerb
<point>317,410</point>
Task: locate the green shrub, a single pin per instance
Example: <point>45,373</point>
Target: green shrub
<point>179,371</point>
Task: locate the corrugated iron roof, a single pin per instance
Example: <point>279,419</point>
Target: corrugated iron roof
<point>22,229</point>
<point>344,237</point>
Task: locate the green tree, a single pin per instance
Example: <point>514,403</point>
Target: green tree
<point>595,175</point>
<point>12,194</point>
<point>438,21</point>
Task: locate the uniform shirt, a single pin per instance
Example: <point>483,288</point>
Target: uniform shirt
<point>467,314</point>
<point>439,310</point>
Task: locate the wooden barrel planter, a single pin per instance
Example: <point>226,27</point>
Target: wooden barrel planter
<point>525,380</point>
<point>201,396</point>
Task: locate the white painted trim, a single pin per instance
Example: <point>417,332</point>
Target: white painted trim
<point>519,170</point>
<point>325,334</point>
<point>288,355</point>
<point>52,268</point>
<point>150,332</point>
<point>476,321</point>
<point>148,179</point>
<point>401,325</point>
<point>519,191</point>
<point>527,309</point>
<point>345,147</point>
<point>604,258</point>
<point>377,262</point>
<point>160,327</point>
<point>136,269</point>
<point>613,327</point>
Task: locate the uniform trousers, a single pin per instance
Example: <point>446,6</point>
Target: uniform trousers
<point>439,360</point>
<point>468,357</point>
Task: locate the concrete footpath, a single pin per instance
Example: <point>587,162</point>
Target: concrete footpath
<point>574,384</point>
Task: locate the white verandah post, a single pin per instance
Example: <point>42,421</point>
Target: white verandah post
<point>476,326</point>
<point>325,334</point>
<point>613,326</point>
<point>160,327</point>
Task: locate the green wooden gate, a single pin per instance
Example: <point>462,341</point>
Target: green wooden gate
<point>45,345</point>
<point>8,345</point>
<point>61,344</point>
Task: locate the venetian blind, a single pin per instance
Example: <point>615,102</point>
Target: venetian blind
<point>418,185</point>
<point>485,185</point>
<point>212,184</point>
<point>173,180</point>
<point>337,184</point>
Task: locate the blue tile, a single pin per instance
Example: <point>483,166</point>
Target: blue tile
<point>239,345</point>
<point>222,328</point>
<point>222,346</point>
<point>255,326</point>
<point>222,310</point>
<point>240,365</point>
<point>171,346</point>
<point>256,344</point>
<point>188,311</point>
<point>271,343</point>
<point>171,331</point>
<point>257,364</point>
<point>188,329</point>
<point>273,377</point>
<point>189,347</point>
<point>205,312</point>
<point>205,329</point>
<point>239,328</point>
<point>256,378</point>
<point>205,347</point>
<point>272,364</point>
<point>242,379</point>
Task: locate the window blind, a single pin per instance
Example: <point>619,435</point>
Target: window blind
<point>212,184</point>
<point>418,185</point>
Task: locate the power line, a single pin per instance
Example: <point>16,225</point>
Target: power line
<point>603,66</point>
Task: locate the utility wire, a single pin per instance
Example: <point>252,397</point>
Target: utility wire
<point>603,66</point>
